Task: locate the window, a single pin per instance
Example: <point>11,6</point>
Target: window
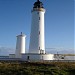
<point>37,12</point>
<point>39,18</point>
<point>39,32</point>
<point>39,48</point>
<point>27,57</point>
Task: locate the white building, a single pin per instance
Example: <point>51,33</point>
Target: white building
<point>37,57</point>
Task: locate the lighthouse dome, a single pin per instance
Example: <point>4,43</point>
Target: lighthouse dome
<point>38,4</point>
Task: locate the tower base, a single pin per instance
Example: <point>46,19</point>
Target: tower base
<point>37,57</point>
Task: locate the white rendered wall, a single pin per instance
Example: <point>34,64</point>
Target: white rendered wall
<point>64,57</point>
<point>20,45</point>
<point>69,58</point>
<point>37,57</point>
<point>37,39</point>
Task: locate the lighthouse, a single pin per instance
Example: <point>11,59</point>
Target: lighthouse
<point>20,45</point>
<point>37,38</point>
<point>37,35</point>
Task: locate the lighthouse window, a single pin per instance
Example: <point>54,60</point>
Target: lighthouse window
<point>39,18</point>
<point>39,48</point>
<point>37,12</point>
<point>39,32</point>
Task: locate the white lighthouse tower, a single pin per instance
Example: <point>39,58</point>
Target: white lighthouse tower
<point>37,39</point>
<point>20,45</point>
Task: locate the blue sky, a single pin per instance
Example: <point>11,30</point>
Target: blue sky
<point>15,17</point>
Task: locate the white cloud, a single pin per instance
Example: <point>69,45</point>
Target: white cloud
<point>60,51</point>
<point>4,51</point>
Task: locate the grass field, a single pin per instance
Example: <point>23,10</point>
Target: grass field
<point>37,68</point>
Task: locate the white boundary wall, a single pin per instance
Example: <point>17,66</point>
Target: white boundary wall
<point>37,57</point>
